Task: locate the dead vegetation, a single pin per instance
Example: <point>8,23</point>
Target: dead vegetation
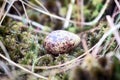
<point>24,24</point>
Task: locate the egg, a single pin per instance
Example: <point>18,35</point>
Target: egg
<point>61,41</point>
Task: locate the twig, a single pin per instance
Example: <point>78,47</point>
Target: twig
<point>7,70</point>
<point>66,63</point>
<point>26,13</point>
<point>107,45</point>
<point>26,21</point>
<point>10,4</point>
<point>56,66</point>
<point>84,43</point>
<point>59,69</point>
<point>15,8</point>
<point>117,37</point>
<point>116,48</point>
<point>2,9</point>
<point>117,3</point>
<point>71,66</point>
<point>82,11</point>
<point>68,15</point>
<point>11,62</point>
<point>115,14</point>
<point>105,36</point>
<point>99,16</point>
<point>4,50</point>
<point>38,2</point>
<point>71,21</point>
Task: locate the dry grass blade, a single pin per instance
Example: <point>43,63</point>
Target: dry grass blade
<point>6,70</point>
<point>15,8</point>
<point>84,43</point>
<point>110,21</point>
<point>82,11</point>
<point>64,64</point>
<point>99,16</point>
<point>2,10</point>
<point>117,3</point>
<point>68,15</point>
<point>105,36</point>
<point>41,5</point>
<point>13,63</point>
<point>71,21</point>
<point>26,21</point>
<point>4,50</point>
<point>26,13</point>
<point>10,5</point>
<point>26,70</point>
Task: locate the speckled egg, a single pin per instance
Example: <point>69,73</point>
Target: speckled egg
<point>60,41</point>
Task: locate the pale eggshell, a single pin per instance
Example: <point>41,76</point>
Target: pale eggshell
<point>61,41</point>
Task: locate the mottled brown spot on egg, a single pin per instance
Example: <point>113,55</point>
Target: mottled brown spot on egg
<point>61,41</point>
